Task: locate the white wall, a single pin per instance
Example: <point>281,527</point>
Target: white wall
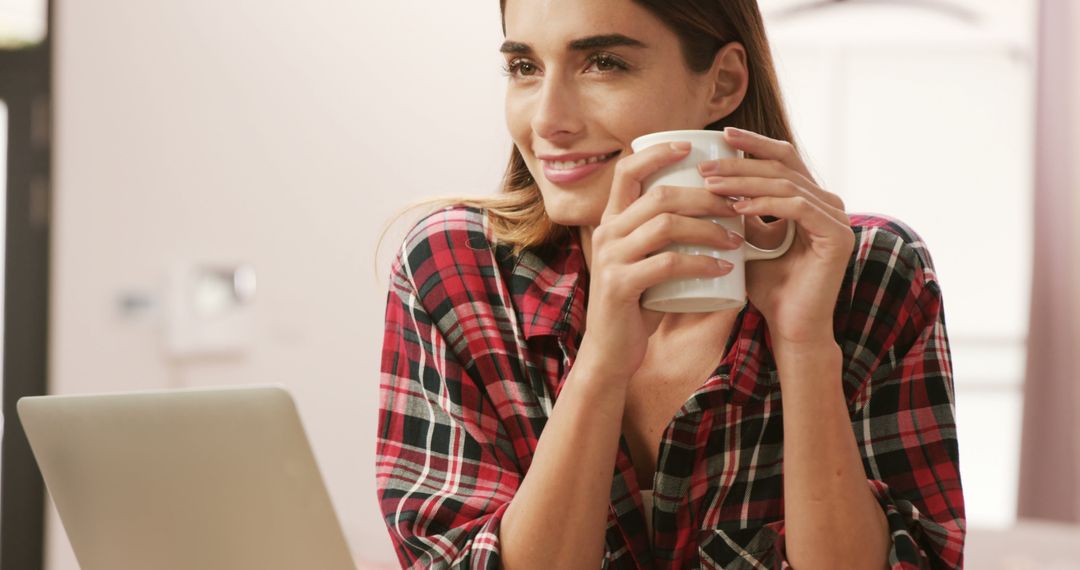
<point>276,133</point>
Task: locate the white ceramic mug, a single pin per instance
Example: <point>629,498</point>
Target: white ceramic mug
<point>701,295</point>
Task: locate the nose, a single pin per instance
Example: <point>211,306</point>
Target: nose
<point>557,115</point>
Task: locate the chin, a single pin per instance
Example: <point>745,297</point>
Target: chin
<point>573,208</point>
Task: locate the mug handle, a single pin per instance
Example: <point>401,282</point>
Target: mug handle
<point>754,253</point>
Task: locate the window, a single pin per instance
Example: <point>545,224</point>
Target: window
<point>22,23</point>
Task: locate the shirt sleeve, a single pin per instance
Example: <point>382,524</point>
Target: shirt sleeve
<point>898,379</point>
<point>443,474</point>
<point>903,410</point>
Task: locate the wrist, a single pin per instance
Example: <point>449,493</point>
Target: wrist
<point>823,351</point>
<point>597,377</point>
<point>826,343</point>
<point>596,360</point>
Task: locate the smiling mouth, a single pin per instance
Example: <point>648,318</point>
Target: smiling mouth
<point>571,164</point>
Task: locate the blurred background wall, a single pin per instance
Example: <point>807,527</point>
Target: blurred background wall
<point>283,137</point>
<point>271,133</point>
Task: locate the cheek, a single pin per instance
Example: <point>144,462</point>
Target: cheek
<point>614,112</point>
<point>518,119</point>
<point>647,108</point>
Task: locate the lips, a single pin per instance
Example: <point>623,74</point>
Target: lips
<point>564,169</point>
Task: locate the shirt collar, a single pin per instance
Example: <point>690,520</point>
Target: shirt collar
<point>549,287</point>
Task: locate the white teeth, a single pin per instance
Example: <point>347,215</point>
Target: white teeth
<point>567,164</point>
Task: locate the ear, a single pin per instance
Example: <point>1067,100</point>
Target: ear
<point>729,80</point>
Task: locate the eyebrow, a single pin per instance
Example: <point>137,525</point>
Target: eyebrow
<point>586,43</point>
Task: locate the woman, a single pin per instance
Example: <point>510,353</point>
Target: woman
<point>533,415</point>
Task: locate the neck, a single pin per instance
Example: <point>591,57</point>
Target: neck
<point>585,233</point>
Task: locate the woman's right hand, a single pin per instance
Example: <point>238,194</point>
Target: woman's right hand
<point>632,227</point>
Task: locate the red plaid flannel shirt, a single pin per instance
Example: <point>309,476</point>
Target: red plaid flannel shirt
<point>479,341</point>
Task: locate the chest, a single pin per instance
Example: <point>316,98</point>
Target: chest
<point>667,379</point>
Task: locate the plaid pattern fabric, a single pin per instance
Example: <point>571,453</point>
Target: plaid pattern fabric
<point>478,343</point>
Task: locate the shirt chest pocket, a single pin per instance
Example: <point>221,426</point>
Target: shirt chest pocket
<point>744,532</point>
<point>730,547</point>
<point>745,512</point>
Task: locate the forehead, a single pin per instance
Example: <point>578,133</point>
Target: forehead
<point>554,23</point>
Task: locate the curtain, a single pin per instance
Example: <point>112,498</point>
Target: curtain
<point>1050,439</point>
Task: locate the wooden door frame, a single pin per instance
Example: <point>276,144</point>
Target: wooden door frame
<point>25,86</point>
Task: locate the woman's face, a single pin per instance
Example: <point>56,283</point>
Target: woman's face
<point>586,78</point>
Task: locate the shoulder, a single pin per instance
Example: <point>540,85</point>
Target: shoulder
<point>449,243</point>
<point>889,253</point>
<point>451,266</point>
<point>890,296</point>
<point>447,231</point>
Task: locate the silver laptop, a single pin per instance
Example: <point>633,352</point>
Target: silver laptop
<point>185,479</point>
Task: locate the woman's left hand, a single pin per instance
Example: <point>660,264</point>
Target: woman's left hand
<point>796,292</point>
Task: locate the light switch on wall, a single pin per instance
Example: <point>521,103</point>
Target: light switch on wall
<point>209,309</point>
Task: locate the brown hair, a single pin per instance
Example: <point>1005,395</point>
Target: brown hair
<point>517,214</point>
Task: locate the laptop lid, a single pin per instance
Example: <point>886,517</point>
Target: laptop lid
<point>181,479</point>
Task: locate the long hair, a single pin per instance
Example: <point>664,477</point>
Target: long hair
<point>517,215</point>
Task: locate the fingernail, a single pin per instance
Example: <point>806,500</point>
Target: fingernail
<point>714,182</point>
<point>740,205</point>
<point>732,131</point>
<point>737,239</point>
<point>724,264</point>
<point>681,146</point>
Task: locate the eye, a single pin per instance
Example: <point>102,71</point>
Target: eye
<point>606,63</point>
<point>520,67</point>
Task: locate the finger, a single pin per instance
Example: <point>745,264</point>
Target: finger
<point>668,265</point>
<point>632,169</point>
<point>799,209</point>
<point>670,199</point>
<point>667,229</point>
<point>763,147</point>
<point>752,187</point>
<point>766,168</point>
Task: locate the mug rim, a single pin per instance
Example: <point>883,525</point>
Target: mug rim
<point>647,139</point>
